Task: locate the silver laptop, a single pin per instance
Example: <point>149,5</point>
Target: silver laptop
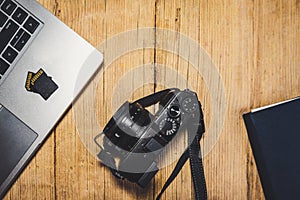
<point>43,66</point>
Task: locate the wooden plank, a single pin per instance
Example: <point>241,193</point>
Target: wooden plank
<point>255,46</point>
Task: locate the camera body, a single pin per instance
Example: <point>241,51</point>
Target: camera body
<point>135,137</point>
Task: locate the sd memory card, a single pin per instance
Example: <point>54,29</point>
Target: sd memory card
<point>41,84</point>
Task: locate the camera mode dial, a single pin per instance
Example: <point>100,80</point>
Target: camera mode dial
<point>189,104</point>
<point>169,126</point>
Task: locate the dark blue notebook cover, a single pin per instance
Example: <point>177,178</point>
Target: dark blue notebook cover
<point>274,134</point>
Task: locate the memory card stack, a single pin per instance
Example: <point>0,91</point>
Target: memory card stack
<point>40,83</point>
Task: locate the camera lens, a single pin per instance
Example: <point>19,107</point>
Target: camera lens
<point>139,115</point>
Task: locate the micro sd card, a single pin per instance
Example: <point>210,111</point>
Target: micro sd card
<point>45,86</point>
<point>28,81</point>
<point>41,84</point>
<point>36,76</point>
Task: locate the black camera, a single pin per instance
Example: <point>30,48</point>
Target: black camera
<point>134,138</point>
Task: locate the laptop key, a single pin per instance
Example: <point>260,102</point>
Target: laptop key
<point>19,15</point>
<point>31,25</point>
<point>8,7</point>
<point>9,54</point>
<point>3,19</point>
<point>3,66</point>
<point>17,37</point>
<point>23,40</point>
<point>8,31</point>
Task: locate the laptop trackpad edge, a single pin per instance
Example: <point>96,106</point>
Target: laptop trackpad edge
<point>15,140</point>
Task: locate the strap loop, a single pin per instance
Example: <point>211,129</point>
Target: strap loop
<point>194,153</point>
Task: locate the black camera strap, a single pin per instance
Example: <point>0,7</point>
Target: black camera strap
<point>154,98</point>
<point>194,153</point>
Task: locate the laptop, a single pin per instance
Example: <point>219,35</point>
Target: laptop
<point>44,65</point>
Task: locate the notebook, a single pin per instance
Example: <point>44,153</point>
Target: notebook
<point>274,134</point>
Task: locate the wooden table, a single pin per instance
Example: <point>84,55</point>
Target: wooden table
<point>255,46</point>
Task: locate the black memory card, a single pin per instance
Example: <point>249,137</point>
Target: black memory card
<point>40,83</point>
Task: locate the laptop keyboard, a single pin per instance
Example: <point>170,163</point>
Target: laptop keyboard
<point>17,28</point>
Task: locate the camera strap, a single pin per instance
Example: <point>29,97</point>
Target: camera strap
<point>194,153</point>
<point>154,98</point>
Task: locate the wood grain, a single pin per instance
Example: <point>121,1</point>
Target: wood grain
<point>255,46</point>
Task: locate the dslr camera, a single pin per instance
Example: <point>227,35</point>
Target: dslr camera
<point>134,138</point>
